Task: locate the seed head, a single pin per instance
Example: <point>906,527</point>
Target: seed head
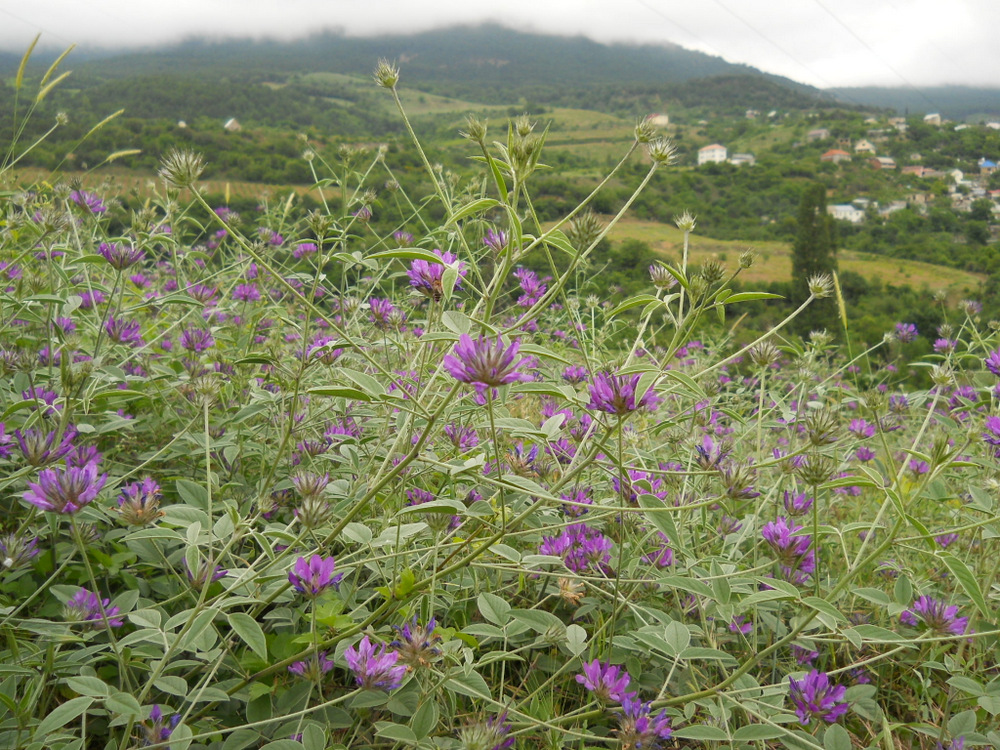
<point>686,221</point>
<point>820,285</point>
<point>765,354</point>
<point>475,129</point>
<point>386,74</point>
<point>584,229</point>
<point>181,169</point>
<point>748,257</point>
<point>662,278</point>
<point>662,150</point>
<point>645,131</point>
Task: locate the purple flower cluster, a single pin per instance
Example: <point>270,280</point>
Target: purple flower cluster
<point>796,557</point>
<point>427,277</point>
<point>638,728</point>
<point>492,734</point>
<point>91,201</point>
<point>815,698</point>
<point>139,502</point>
<point>312,668</point>
<point>532,287</point>
<point>158,729</point>
<point>86,607</point>
<point>120,256</point>
<point>314,576</point>
<point>579,546</point>
<point>936,616</point>
<point>616,394</point>
<point>906,332</point>
<point>608,682</point>
<point>416,644</point>
<point>375,667</point>
<point>66,489</point>
<point>483,363</point>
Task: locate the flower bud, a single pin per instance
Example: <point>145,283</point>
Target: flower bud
<point>386,74</point>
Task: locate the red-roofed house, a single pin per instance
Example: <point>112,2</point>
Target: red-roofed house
<point>835,155</point>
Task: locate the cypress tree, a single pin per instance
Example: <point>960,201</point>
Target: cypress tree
<point>814,252</point>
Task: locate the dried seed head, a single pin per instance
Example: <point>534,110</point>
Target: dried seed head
<point>816,468</point>
<point>712,272</point>
<point>645,130</point>
<point>181,169</point>
<point>662,150</point>
<point>822,427</point>
<point>820,285</point>
<point>584,229</point>
<point>820,339</point>
<point>765,354</point>
<point>662,278</point>
<point>386,74</point>
<point>475,129</point>
<point>523,125</point>
<point>686,221</point>
<point>942,376</point>
<point>748,257</point>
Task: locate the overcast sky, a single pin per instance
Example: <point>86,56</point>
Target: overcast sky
<point>820,42</point>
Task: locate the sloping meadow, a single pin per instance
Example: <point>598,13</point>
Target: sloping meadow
<point>362,478</point>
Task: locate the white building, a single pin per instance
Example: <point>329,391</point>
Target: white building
<point>714,154</point>
<point>846,212</point>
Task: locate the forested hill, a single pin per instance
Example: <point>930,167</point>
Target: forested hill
<point>953,102</point>
<point>477,63</point>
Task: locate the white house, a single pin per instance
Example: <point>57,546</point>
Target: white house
<point>714,154</point>
<point>232,125</point>
<point>846,212</point>
<point>741,159</point>
<point>933,119</point>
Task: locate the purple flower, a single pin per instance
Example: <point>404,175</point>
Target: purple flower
<point>383,313</point>
<point>864,454</point>
<point>66,490</point>
<point>495,241</point>
<point>815,698</point>
<point>246,293</point>
<point>935,616</point>
<point>374,667</point>
<point>575,374</point>
<point>615,394</point>
<point>491,734</point>
<point>196,339</point>
<point>202,293</point>
<point>123,331</point>
<point>608,682</point>
<point>426,277</point>
<point>992,362</point>
<point>993,435</point>
<point>579,546</point>
<point>533,288</point>
<point>638,729</point>
<point>16,551</point>
<point>462,437</point>
<point>662,556</point>
<point>313,668</point>
<point>202,576</point>
<point>804,655</point>
<point>797,504</point>
<point>906,332</point>
<point>39,447</point>
<point>740,624</point>
<point>90,201</point>
<point>86,607</point>
<point>484,364</point>
<point>139,502</point>
<point>314,576</point>
<point>416,644</point>
<point>120,256</point>
<point>303,249</point>
<point>156,730</point>
<point>403,238</point>
<point>795,554</point>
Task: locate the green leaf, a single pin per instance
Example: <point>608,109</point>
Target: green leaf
<point>456,322</point>
<point>637,301</point>
<point>192,493</point>
<point>470,209</point>
<point>250,631</point>
<point>677,636</point>
<point>836,738</point>
<point>472,685</point>
<point>366,382</point>
<point>989,702</point>
<point>576,639</point>
<point>701,732</point>
<point>124,704</point>
<point>425,719</point>
<point>539,621</point>
<point>395,732</point>
<point>824,607</point>
<point>750,297</point>
<point>494,609</point>
<point>282,745</point>
<point>86,685</point>
<point>63,714</point>
<point>962,723</point>
<point>757,732</point>
<point>173,685</point>
<point>968,582</point>
<point>408,253</point>
<point>340,391</point>
<point>966,685</point>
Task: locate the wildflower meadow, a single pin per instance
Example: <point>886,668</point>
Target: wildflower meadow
<point>383,474</point>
